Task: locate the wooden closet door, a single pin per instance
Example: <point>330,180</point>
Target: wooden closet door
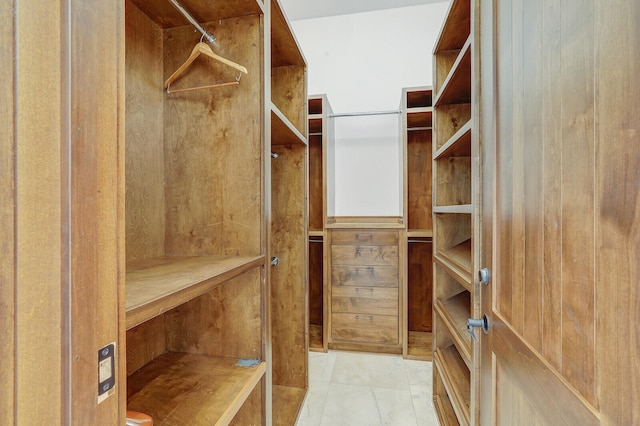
<point>561,220</point>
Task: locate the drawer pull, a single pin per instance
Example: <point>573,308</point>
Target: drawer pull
<point>363,290</point>
<point>369,269</point>
<point>369,236</point>
<point>364,317</point>
<point>360,249</point>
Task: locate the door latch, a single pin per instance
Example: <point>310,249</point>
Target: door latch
<point>484,276</point>
<point>477,323</point>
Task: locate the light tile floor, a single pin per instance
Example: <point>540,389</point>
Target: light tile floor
<point>360,389</point>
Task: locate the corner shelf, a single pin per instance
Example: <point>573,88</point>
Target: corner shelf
<point>181,388</point>
<point>154,286</point>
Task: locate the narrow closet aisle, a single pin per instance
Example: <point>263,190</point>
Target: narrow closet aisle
<point>353,388</point>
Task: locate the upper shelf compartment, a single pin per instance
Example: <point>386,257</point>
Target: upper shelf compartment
<point>166,15</point>
<point>419,98</point>
<point>456,87</point>
<point>288,71</point>
<point>457,27</point>
<point>285,50</point>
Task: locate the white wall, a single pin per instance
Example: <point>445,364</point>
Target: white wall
<point>361,62</point>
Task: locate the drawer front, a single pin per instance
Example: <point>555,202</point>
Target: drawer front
<point>364,237</point>
<point>364,255</point>
<point>364,328</point>
<point>365,300</point>
<point>369,276</point>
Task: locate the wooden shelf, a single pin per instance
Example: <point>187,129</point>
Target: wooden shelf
<point>456,28</point>
<point>456,379</point>
<point>457,259</point>
<point>420,346</point>
<point>456,88</point>
<point>316,233</point>
<point>364,223</point>
<point>420,233</point>
<point>461,209</point>
<point>154,286</point>
<point>180,388</point>
<point>459,145</point>
<point>454,313</point>
<point>282,131</point>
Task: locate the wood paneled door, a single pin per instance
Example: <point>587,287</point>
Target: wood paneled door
<point>560,136</point>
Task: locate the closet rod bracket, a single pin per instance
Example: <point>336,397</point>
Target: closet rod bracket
<point>209,37</point>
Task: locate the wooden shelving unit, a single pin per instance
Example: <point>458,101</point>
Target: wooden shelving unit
<point>199,179</point>
<point>455,211</point>
<point>417,122</point>
<point>320,137</point>
<point>288,228</point>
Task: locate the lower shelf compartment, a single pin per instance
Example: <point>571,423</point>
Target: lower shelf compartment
<point>316,340</point>
<point>420,346</point>
<point>287,402</point>
<point>456,379</point>
<point>179,388</point>
<point>454,313</point>
<point>444,411</point>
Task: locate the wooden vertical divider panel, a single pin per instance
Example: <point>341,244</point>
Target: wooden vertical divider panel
<point>7,214</point>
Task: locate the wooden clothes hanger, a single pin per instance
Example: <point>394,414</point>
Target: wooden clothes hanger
<point>203,49</point>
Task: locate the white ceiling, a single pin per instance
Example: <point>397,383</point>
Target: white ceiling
<point>307,9</point>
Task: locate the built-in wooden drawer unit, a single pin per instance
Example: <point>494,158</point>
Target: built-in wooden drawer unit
<point>366,300</point>
<point>364,328</point>
<point>365,292</point>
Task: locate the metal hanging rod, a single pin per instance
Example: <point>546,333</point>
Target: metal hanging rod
<point>358,114</point>
<point>209,37</point>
